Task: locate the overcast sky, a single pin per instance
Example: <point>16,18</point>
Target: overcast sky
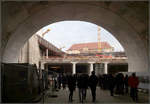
<point>67,33</point>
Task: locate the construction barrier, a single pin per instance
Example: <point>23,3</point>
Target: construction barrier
<point>20,82</point>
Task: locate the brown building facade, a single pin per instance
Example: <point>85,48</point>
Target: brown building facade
<point>90,48</point>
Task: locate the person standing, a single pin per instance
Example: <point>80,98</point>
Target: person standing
<point>126,84</point>
<point>119,84</point>
<point>80,87</point>
<point>82,84</point>
<point>133,83</point>
<point>93,80</point>
<point>59,81</point>
<point>71,85</point>
<point>122,84</point>
<point>85,85</point>
<point>111,82</point>
<point>64,81</point>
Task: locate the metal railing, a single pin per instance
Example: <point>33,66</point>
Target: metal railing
<point>85,58</point>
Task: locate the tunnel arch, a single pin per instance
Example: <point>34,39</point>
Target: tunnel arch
<point>119,27</point>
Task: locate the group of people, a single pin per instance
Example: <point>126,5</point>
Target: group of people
<point>116,84</point>
<point>82,81</point>
<point>120,84</point>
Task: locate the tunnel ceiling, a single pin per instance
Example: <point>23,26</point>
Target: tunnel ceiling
<point>14,13</point>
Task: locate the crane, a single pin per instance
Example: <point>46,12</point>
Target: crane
<point>99,42</point>
<point>45,32</point>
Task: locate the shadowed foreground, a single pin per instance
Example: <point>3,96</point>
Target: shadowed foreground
<point>103,96</point>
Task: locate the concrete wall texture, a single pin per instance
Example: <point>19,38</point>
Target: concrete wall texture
<point>30,52</point>
<point>23,56</point>
<point>127,21</point>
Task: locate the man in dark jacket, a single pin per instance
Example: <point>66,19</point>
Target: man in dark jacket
<point>119,83</point>
<point>59,81</point>
<point>82,84</point>
<point>71,85</point>
<point>126,84</point>
<point>64,81</point>
<point>85,85</point>
<point>93,80</point>
<point>111,82</point>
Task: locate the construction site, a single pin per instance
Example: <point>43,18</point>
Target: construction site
<point>44,61</point>
<point>31,65</point>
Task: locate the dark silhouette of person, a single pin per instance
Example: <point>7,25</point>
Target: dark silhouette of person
<point>93,80</point>
<point>107,81</point>
<point>126,84</point>
<point>105,86</point>
<point>55,84</point>
<point>119,84</point>
<point>102,82</point>
<point>71,85</point>
<point>82,84</point>
<point>133,82</point>
<point>59,81</point>
<point>111,83</point>
<point>64,81</point>
<point>85,85</point>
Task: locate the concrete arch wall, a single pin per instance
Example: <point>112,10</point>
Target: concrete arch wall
<point>120,28</point>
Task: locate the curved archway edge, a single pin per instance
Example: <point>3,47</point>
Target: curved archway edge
<point>127,36</point>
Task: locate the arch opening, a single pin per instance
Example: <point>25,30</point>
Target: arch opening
<point>61,32</point>
<point>135,50</point>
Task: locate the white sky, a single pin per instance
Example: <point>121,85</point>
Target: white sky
<point>67,33</point>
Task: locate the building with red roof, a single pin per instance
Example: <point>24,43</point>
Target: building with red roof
<point>91,47</point>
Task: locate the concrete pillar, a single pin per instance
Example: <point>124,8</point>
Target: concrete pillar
<point>42,65</point>
<point>91,67</point>
<point>43,55</point>
<point>105,68</point>
<point>46,53</point>
<point>46,67</point>
<point>74,68</point>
